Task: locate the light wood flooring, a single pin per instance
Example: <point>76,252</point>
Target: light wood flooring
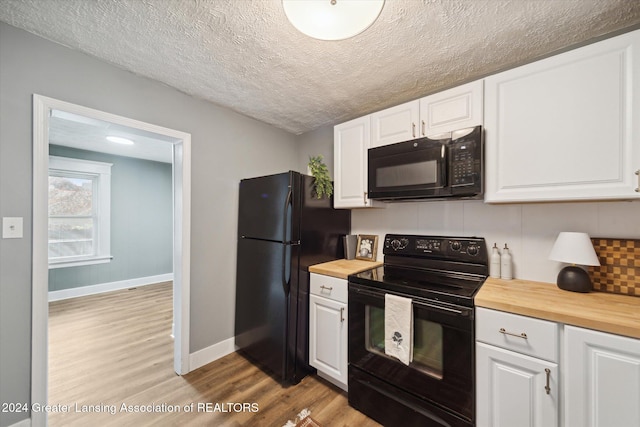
<point>113,349</point>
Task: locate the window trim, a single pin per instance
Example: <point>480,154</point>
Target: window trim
<point>102,170</point>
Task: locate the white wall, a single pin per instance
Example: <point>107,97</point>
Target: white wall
<point>528,229</point>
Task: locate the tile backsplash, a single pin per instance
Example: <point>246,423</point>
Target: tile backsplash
<point>619,268</point>
<point>529,229</point>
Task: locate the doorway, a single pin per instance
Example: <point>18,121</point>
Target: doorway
<point>181,143</point>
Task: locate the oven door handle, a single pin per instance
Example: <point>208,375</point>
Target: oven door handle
<point>464,311</point>
<point>439,307</point>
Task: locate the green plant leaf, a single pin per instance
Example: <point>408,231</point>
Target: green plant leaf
<point>322,185</point>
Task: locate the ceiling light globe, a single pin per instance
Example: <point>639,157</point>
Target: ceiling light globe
<point>332,20</point>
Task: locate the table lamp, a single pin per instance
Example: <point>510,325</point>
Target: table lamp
<point>574,248</point>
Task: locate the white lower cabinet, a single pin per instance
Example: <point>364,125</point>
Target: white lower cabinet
<point>602,379</point>
<point>328,332</point>
<point>514,388</point>
<point>596,384</point>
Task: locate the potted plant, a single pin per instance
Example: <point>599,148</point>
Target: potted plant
<point>322,185</point>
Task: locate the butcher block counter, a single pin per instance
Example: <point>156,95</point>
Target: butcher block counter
<point>607,312</point>
<point>342,268</point>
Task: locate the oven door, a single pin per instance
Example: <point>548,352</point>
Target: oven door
<point>443,354</point>
<point>411,169</point>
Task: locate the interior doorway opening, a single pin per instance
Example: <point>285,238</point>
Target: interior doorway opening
<point>44,108</point>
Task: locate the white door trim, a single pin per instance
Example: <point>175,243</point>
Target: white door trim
<point>181,238</point>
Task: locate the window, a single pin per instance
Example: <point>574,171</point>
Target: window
<point>79,212</point>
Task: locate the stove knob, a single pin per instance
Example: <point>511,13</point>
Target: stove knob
<point>472,250</point>
<point>395,244</point>
<point>455,245</point>
<point>404,243</point>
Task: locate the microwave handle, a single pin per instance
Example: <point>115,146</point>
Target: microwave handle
<point>443,155</point>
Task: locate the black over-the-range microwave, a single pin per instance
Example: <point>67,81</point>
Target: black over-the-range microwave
<point>445,166</point>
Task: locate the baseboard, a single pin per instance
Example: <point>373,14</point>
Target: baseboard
<point>108,287</point>
<point>212,353</point>
<point>24,423</point>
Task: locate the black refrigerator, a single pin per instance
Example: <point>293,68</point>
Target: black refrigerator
<point>282,230</point>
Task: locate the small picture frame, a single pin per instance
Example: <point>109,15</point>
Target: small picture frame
<point>367,247</point>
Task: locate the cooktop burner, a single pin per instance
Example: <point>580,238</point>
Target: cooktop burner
<point>449,269</point>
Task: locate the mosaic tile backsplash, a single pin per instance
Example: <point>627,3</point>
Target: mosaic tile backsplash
<point>619,270</point>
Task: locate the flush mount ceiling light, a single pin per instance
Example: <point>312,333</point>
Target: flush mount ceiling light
<point>332,19</point>
<point>120,140</point>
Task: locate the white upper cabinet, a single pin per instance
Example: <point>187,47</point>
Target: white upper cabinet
<point>566,127</point>
<point>446,111</point>
<point>350,143</point>
<point>453,109</point>
<point>395,124</point>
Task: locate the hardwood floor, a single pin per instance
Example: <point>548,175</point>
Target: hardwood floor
<point>111,364</point>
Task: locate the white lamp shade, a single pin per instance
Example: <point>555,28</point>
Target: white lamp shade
<point>574,248</point>
<point>327,20</point>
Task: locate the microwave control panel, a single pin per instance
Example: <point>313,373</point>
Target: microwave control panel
<point>465,157</point>
<point>462,164</point>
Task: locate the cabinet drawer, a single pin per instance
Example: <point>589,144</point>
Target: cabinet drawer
<point>329,287</point>
<point>526,335</point>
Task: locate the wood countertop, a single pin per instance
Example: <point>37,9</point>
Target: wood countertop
<point>617,314</point>
<point>341,268</point>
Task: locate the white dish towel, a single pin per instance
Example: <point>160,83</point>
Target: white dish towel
<point>398,328</point>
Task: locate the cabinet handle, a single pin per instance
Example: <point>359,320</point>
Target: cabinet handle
<point>423,129</point>
<point>638,175</point>
<point>341,314</point>
<point>547,388</point>
<point>329,288</point>
<point>413,127</point>
<point>521,335</point>
<point>364,197</point>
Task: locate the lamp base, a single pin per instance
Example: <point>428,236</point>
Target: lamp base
<point>574,279</point>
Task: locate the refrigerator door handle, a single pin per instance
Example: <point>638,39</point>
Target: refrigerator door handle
<point>286,281</point>
<point>285,212</point>
<point>285,260</point>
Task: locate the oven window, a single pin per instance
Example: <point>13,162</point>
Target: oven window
<point>407,174</point>
<point>374,329</point>
<point>427,341</point>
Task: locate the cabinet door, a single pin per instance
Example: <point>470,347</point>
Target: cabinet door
<point>328,337</point>
<point>453,109</point>
<point>566,128</point>
<point>602,387</point>
<point>350,143</point>
<point>511,389</point>
<point>395,124</point>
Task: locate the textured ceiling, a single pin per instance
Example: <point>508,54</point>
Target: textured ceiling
<point>245,55</point>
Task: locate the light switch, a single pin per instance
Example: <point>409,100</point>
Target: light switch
<point>12,228</point>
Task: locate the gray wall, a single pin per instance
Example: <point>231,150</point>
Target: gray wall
<point>141,222</point>
<point>314,143</point>
<point>226,147</point>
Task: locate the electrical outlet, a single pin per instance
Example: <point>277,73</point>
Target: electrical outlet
<point>12,228</point>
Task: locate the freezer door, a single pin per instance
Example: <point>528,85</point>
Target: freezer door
<point>267,207</point>
<point>263,304</point>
